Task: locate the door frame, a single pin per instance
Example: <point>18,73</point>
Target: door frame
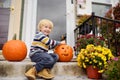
<point>14,20</point>
<point>29,22</point>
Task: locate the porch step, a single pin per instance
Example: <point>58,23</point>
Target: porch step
<point>61,70</point>
<point>56,78</point>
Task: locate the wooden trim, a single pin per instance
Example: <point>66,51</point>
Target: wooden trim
<point>15,17</point>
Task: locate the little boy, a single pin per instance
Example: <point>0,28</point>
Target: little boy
<point>39,52</point>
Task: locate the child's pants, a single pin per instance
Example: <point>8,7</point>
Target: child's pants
<point>44,60</point>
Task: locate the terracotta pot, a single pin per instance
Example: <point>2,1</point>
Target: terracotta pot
<point>93,73</point>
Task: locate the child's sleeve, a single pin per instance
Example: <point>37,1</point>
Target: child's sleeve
<point>50,42</point>
<point>46,40</point>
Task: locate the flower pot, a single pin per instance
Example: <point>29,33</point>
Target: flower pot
<point>93,73</point>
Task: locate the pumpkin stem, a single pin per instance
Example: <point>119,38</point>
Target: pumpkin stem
<point>14,37</point>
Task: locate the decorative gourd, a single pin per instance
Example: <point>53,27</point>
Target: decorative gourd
<point>65,52</point>
<point>14,50</point>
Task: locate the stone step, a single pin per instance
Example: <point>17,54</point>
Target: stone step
<point>15,70</point>
<point>56,78</point>
<point>61,70</point>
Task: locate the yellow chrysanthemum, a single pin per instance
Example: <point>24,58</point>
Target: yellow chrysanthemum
<point>100,71</point>
<point>84,66</point>
<point>100,63</point>
<point>94,55</point>
<point>95,61</point>
<point>90,62</point>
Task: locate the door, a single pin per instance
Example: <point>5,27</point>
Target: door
<point>4,23</point>
<point>54,10</point>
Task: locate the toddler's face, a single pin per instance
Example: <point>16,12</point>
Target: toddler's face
<point>46,29</point>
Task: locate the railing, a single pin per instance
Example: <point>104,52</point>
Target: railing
<point>105,27</point>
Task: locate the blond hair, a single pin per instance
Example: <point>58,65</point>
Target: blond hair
<point>43,22</point>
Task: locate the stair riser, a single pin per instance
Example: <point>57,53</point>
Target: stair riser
<point>14,69</point>
<point>67,69</point>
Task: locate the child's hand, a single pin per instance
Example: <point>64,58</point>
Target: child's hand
<point>63,42</point>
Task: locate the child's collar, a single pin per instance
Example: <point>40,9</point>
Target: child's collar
<point>43,33</point>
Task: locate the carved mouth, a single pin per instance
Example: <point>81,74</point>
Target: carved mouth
<point>65,54</point>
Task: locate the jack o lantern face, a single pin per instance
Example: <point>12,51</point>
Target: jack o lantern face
<point>65,52</point>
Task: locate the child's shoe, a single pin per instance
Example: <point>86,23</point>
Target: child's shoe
<point>30,74</point>
<point>49,71</point>
<point>45,74</point>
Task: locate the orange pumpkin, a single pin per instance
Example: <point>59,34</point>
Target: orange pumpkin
<point>65,52</point>
<point>14,50</point>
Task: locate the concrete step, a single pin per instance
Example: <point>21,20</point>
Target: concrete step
<point>61,70</point>
<point>56,78</point>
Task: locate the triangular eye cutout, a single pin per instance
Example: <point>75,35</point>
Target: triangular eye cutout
<point>62,47</point>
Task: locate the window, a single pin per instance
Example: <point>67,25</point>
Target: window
<point>100,8</point>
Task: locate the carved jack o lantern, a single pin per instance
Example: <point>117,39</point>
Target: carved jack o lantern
<point>65,52</point>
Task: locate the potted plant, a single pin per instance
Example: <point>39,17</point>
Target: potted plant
<point>95,56</point>
<point>84,40</point>
<point>113,70</point>
<point>112,13</point>
<point>116,13</point>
